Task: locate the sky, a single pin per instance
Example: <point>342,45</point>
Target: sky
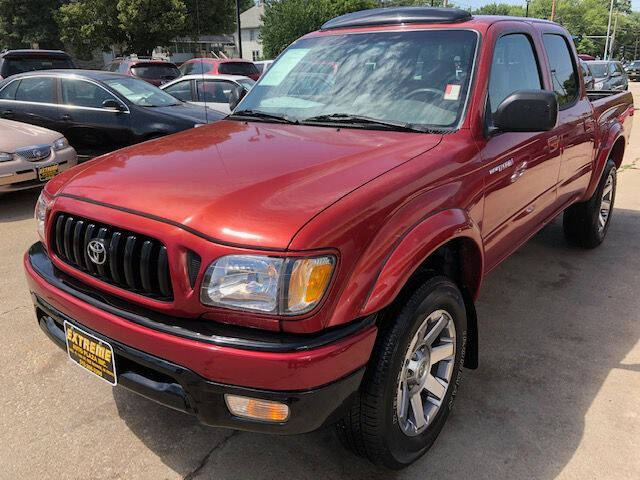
<point>478,3</point>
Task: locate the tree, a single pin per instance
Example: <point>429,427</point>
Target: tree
<point>139,24</point>
<point>213,16</point>
<point>23,23</point>
<point>287,20</point>
<point>501,9</point>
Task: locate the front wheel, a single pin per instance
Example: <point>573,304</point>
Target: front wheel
<point>412,378</point>
<point>586,224</point>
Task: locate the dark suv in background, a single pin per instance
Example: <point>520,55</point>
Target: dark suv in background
<point>20,61</point>
<point>156,72</point>
<point>633,70</point>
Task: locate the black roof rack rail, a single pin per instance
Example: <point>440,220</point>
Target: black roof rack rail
<point>398,16</point>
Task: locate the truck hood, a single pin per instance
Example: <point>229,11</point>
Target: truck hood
<point>253,184</point>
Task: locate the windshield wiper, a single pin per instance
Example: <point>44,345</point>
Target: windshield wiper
<point>257,114</point>
<point>348,119</point>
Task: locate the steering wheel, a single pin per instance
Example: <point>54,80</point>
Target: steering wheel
<point>433,91</point>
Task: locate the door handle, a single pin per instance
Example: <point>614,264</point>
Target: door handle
<point>7,113</point>
<point>553,143</point>
<point>65,118</point>
<point>519,171</point>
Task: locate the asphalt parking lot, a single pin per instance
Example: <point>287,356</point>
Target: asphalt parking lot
<point>557,394</point>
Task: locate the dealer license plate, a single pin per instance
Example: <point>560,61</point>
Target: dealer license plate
<point>90,353</point>
<point>48,172</point>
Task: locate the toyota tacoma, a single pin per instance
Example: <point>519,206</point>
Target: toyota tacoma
<point>314,258</point>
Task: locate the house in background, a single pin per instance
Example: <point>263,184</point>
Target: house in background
<point>250,25</point>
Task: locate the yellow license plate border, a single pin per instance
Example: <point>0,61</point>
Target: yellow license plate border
<point>68,325</point>
<point>47,177</point>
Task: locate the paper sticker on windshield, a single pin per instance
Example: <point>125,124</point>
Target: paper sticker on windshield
<point>452,92</point>
<point>283,66</point>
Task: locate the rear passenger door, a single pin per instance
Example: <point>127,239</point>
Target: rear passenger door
<point>576,126</point>
<point>32,101</point>
<point>521,168</point>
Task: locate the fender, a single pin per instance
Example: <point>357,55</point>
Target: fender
<point>609,139</point>
<point>415,247</point>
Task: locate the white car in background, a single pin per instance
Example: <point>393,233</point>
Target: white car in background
<point>210,90</point>
<point>263,65</point>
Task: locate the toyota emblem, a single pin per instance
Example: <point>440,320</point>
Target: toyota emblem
<point>97,252</point>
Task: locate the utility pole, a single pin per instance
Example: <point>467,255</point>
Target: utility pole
<point>606,44</point>
<point>553,10</point>
<point>526,13</point>
<point>635,50</point>
<point>613,37</point>
<point>240,32</point>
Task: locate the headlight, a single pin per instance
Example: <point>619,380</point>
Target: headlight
<point>42,209</point>
<point>196,125</point>
<point>285,286</point>
<point>60,144</point>
<point>598,85</point>
<point>5,157</point>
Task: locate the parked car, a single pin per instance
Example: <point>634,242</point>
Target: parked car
<point>20,61</point>
<point>315,257</point>
<point>584,56</point>
<point>263,65</point>
<point>30,156</point>
<point>589,81</point>
<point>207,90</point>
<point>215,66</point>
<point>156,72</point>
<point>633,70</point>
<point>97,111</point>
<point>608,75</point>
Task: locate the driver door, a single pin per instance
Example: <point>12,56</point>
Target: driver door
<point>90,128</point>
<point>521,168</point>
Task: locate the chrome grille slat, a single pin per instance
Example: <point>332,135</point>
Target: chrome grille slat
<point>134,262</point>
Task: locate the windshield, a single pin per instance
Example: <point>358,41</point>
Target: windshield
<point>418,78</point>
<point>15,65</point>
<point>156,71</point>
<point>599,70</point>
<point>192,68</point>
<point>237,68</point>
<point>141,93</point>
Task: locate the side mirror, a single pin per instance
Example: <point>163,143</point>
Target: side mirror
<point>237,93</point>
<point>113,104</point>
<point>526,111</point>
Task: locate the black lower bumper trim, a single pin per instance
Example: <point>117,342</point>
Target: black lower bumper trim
<point>206,331</point>
<point>182,389</point>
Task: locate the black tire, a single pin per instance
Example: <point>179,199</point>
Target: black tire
<point>371,428</point>
<point>581,222</point>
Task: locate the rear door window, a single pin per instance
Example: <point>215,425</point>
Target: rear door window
<point>514,67</point>
<point>563,70</point>
<point>36,89</point>
<point>215,91</point>
<point>238,68</point>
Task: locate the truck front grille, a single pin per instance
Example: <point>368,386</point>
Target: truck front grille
<point>119,257</point>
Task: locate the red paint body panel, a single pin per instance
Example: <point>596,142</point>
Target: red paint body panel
<point>380,201</point>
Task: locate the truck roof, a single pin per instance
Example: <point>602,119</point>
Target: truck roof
<point>402,16</point>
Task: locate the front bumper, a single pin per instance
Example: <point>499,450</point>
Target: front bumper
<point>316,376</point>
<point>21,174</point>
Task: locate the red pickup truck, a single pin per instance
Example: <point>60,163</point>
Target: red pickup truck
<point>314,258</point>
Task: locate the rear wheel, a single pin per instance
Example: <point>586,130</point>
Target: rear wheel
<point>412,378</point>
<point>586,224</point>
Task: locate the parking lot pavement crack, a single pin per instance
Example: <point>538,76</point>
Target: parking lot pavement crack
<point>191,475</point>
<point>11,310</point>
